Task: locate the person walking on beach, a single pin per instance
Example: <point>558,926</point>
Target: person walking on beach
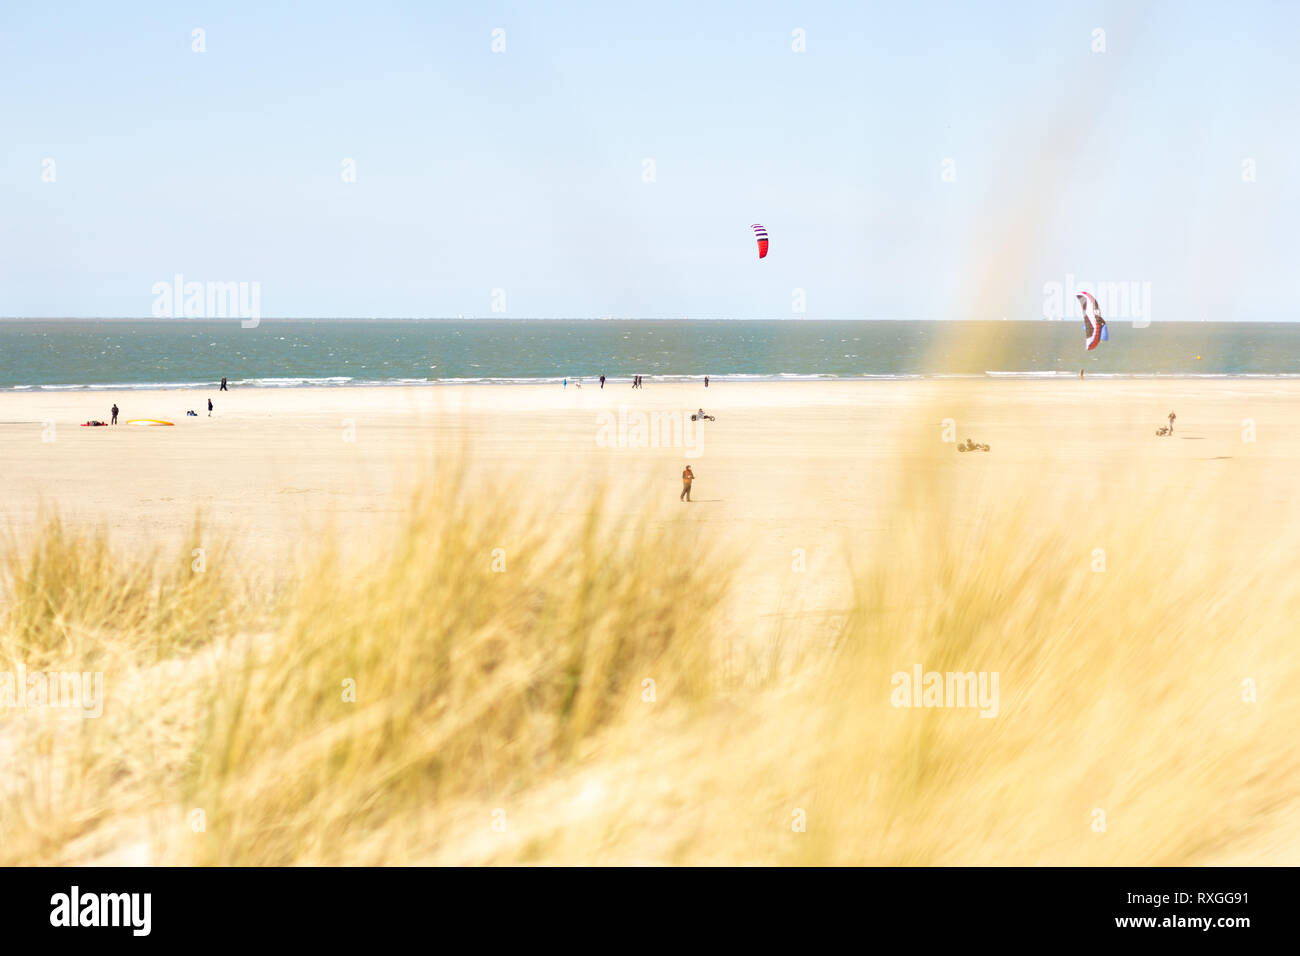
<point>706,381</point>
<point>1172,416</point>
<point>115,413</point>
<point>223,384</point>
<point>602,381</point>
<point>209,408</point>
<point>687,478</point>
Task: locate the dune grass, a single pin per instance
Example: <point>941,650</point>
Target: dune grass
<point>73,600</point>
<point>484,688</point>
<point>471,654</point>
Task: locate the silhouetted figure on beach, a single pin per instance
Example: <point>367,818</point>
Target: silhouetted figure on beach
<point>687,477</point>
<point>602,381</point>
<point>223,384</point>
<point>706,381</point>
<point>115,413</point>
<point>209,408</point>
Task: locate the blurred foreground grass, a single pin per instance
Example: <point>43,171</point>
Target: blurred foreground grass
<point>576,697</point>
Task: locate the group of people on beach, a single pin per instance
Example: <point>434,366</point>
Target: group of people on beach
<point>96,423</point>
<point>115,411</point>
<point>577,382</point>
<point>636,382</point>
<point>112,420</point>
<point>688,476</point>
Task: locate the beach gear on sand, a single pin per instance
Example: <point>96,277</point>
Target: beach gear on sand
<point>148,421</point>
<point>94,424</point>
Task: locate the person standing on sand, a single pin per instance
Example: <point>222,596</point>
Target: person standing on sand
<point>687,477</point>
<point>209,408</point>
<point>602,381</point>
<point>1172,416</point>
<point>115,413</point>
<point>223,384</point>
<point>706,381</point>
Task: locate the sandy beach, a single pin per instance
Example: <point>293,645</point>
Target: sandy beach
<point>785,466</point>
<point>735,659</point>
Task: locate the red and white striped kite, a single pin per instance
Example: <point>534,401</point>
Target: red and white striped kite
<point>760,233</point>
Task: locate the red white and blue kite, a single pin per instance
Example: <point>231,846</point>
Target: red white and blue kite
<point>1094,326</point>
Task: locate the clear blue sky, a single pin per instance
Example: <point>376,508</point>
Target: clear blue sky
<point>523,170</point>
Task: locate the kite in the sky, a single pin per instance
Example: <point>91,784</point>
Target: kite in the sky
<point>760,233</point>
<point>1094,326</point>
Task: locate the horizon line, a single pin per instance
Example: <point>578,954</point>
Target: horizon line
<point>585,318</point>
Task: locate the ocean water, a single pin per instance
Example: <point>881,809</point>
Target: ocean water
<point>65,354</point>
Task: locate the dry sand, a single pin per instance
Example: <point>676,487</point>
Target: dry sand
<point>786,466</point>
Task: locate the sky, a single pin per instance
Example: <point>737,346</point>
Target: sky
<point>910,160</point>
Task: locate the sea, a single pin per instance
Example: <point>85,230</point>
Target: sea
<point>54,354</point>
